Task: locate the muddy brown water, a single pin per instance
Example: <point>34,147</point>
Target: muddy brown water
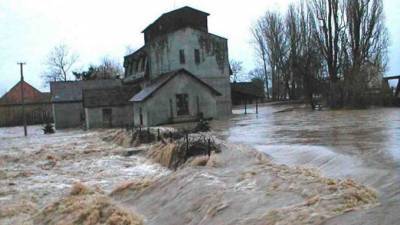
<point>360,144</point>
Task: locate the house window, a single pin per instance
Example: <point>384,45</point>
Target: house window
<point>137,66</point>
<point>107,117</point>
<point>182,104</point>
<point>141,116</point>
<point>182,56</point>
<point>197,56</point>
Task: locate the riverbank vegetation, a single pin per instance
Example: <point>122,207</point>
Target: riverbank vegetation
<point>328,52</point>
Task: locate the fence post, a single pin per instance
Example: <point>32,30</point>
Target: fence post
<point>158,134</point>
<point>187,142</point>
<point>187,145</point>
<point>256,105</point>
<point>209,147</point>
<point>245,106</point>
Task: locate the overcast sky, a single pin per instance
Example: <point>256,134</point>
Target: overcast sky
<point>29,29</point>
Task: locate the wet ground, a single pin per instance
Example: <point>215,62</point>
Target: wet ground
<point>360,144</point>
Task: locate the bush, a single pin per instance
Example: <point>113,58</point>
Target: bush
<point>48,128</point>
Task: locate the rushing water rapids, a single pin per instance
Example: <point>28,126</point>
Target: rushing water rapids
<point>361,144</point>
<point>237,186</point>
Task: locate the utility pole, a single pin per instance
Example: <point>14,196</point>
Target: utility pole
<point>21,65</point>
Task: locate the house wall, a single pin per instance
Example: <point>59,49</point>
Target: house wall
<point>11,115</point>
<point>213,68</point>
<point>68,115</point>
<point>156,110</point>
<point>121,116</point>
<point>68,110</point>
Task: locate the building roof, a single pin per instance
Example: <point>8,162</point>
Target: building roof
<point>31,95</point>
<point>109,97</point>
<point>173,13</point>
<point>175,20</point>
<point>163,79</point>
<point>248,88</point>
<point>71,91</point>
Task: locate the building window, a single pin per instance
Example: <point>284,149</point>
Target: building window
<point>182,56</point>
<point>182,104</point>
<point>197,56</point>
<point>141,116</point>
<point>107,117</point>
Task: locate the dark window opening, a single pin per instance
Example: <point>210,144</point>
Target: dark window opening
<point>182,104</point>
<point>182,56</point>
<point>197,56</point>
<point>137,66</point>
<point>140,116</point>
<point>107,117</point>
<point>143,64</point>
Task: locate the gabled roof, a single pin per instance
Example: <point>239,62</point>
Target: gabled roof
<point>32,95</point>
<point>108,97</point>
<point>163,79</point>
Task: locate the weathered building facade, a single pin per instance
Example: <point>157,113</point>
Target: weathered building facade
<point>176,96</point>
<point>106,108</point>
<point>67,100</point>
<point>180,40</point>
<point>37,106</point>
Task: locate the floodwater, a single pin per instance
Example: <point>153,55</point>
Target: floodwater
<point>39,169</point>
<point>360,144</point>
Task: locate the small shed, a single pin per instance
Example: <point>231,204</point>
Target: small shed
<point>176,96</point>
<point>105,108</point>
<point>247,92</point>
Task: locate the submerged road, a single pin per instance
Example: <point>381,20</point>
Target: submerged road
<point>360,144</point>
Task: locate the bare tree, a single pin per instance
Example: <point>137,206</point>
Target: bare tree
<point>107,69</point>
<point>260,47</point>
<point>276,50</point>
<point>59,64</point>
<point>333,47</point>
<point>293,26</point>
<point>330,27</point>
<point>237,69</point>
<point>367,44</point>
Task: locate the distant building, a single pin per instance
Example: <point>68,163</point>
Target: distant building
<point>37,106</point>
<point>247,92</point>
